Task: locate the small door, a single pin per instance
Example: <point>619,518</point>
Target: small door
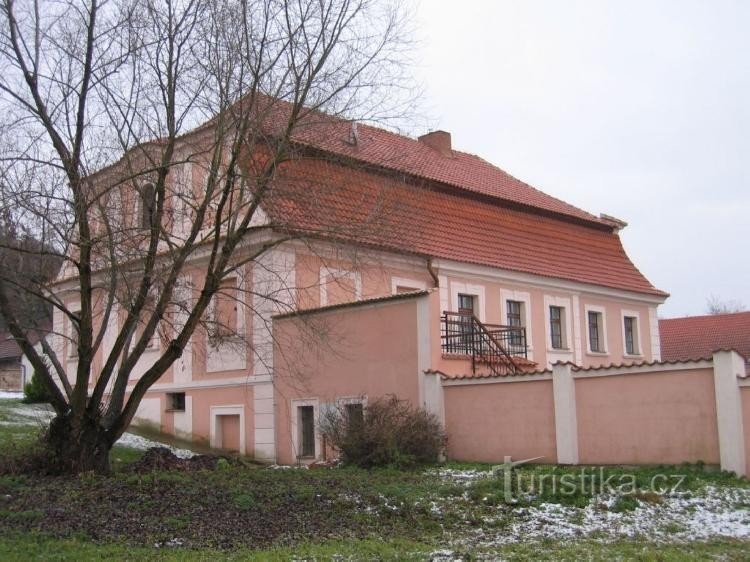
<point>230,432</point>
<point>306,426</point>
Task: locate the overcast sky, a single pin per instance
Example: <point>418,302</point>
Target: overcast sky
<point>640,110</point>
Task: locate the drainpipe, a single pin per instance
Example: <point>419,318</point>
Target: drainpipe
<point>434,276</point>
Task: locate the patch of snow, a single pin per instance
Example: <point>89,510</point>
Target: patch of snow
<point>463,477</point>
<point>11,394</point>
<point>683,517</point>
<point>444,555</point>
<point>29,414</point>
<point>288,466</point>
<point>141,443</point>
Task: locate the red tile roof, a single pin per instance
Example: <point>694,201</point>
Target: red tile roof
<point>458,169</point>
<point>694,337</point>
<point>528,369</point>
<point>335,199</point>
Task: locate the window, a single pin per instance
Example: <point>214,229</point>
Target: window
<point>306,427</point>
<point>226,308</point>
<point>355,416</point>
<point>596,325</point>
<point>515,314</point>
<point>176,401</point>
<point>466,322</point>
<point>556,321</point>
<point>466,304</point>
<point>631,335</point>
<point>73,336</point>
<point>147,206</point>
<point>339,286</point>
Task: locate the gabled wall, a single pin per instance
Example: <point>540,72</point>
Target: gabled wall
<point>351,353</point>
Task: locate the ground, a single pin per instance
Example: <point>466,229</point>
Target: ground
<point>242,511</point>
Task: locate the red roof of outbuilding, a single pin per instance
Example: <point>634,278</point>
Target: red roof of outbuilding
<point>694,337</point>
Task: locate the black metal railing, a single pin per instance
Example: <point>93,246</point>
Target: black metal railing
<point>490,344</point>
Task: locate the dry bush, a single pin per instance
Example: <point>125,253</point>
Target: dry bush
<point>388,432</point>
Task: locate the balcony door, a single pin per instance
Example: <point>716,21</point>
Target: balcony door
<point>466,310</point>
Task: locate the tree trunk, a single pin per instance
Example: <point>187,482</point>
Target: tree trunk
<point>78,447</point>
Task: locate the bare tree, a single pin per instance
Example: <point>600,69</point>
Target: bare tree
<point>715,305</point>
<point>143,137</point>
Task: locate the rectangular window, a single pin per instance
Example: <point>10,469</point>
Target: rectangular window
<point>147,206</point>
<point>631,335</point>
<point>595,332</point>
<point>466,323</point>
<point>355,416</point>
<point>176,401</point>
<point>73,325</point>
<point>466,304</point>
<point>514,312</point>
<point>556,319</point>
<point>515,315</point>
<point>306,427</point>
<point>226,307</point>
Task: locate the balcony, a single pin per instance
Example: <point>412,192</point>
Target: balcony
<point>503,349</point>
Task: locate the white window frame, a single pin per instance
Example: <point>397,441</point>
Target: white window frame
<point>478,291</point>
<point>525,298</point>
<point>335,274</point>
<point>602,329</point>
<point>315,403</point>
<point>397,282</point>
<point>215,426</point>
<point>564,303</point>
<point>637,340</point>
<point>344,400</point>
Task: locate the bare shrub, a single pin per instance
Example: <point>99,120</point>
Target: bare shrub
<point>387,432</point>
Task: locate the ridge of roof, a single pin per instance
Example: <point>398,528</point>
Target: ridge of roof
<point>352,304</point>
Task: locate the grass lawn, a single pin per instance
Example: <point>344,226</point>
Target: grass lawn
<point>458,511</point>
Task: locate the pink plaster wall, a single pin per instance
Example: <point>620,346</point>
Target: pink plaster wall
<point>650,418</point>
<point>202,400</point>
<point>540,348</point>
<point>367,351</point>
<point>486,422</point>
<point>745,395</point>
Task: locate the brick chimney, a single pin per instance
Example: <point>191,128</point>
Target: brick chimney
<point>439,140</point>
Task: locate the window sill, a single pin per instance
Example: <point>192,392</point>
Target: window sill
<point>632,356</point>
<point>559,350</point>
<point>598,353</point>
<point>174,410</point>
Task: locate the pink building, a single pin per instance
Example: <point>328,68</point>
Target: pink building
<point>422,271</point>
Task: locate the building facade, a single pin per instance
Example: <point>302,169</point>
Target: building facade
<point>465,271</point>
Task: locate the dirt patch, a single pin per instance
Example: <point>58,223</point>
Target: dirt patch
<point>162,458</point>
